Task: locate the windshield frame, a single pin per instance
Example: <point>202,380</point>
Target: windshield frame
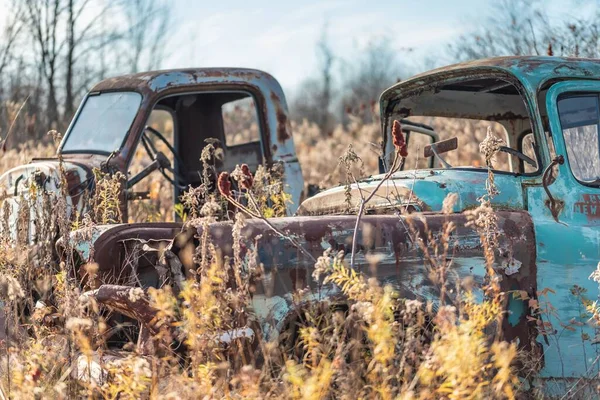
<point>61,149</point>
<point>461,76</point>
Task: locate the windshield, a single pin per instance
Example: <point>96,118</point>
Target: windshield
<point>460,114</point>
<point>103,122</point>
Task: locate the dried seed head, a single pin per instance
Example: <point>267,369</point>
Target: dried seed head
<point>449,202</point>
<point>10,288</point>
<point>247,178</point>
<point>224,185</point>
<point>211,208</point>
<point>398,139</point>
<point>135,294</point>
<point>490,146</point>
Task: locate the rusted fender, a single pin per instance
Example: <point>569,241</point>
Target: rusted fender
<point>401,263</point>
<point>117,249</point>
<point>389,239</point>
<point>128,301</point>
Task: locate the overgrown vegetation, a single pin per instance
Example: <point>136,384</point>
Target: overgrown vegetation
<point>383,346</point>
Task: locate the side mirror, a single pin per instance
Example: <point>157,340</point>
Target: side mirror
<point>441,147</point>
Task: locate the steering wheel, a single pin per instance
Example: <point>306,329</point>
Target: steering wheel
<point>518,154</point>
<point>153,152</point>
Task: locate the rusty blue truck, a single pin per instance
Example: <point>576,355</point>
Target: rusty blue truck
<point>547,174</point>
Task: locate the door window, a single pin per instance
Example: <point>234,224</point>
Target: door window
<point>240,122</point>
<point>579,119</point>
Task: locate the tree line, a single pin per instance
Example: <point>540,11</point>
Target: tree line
<point>513,27</point>
<point>52,51</point>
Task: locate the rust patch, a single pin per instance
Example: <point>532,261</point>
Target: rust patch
<point>283,123</point>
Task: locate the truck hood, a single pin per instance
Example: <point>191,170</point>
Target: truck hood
<point>421,190</point>
<point>15,187</point>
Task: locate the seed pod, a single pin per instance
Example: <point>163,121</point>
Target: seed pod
<point>224,184</point>
<point>247,179</point>
<point>398,139</point>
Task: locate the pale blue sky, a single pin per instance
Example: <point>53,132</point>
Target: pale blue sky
<point>280,36</point>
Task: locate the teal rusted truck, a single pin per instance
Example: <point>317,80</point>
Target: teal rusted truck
<point>546,110</point>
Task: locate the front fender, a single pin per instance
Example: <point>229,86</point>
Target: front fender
<point>388,238</point>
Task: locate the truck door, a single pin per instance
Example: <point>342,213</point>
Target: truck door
<point>568,246</point>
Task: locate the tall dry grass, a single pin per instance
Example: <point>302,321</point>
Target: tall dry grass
<point>380,346</point>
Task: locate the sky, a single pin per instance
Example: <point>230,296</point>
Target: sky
<point>281,36</point>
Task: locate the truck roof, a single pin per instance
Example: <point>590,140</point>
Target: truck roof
<point>158,81</point>
<point>534,71</point>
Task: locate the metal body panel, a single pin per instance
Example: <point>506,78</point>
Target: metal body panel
<point>388,237</point>
<point>423,190</point>
<point>278,145</point>
<point>17,195</point>
<point>568,253</point>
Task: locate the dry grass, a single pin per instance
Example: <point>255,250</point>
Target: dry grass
<point>383,347</point>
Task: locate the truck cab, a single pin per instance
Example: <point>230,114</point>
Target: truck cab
<point>546,112</point>
<point>152,123</point>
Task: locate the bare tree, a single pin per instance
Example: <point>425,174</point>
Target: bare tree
<point>9,37</point>
<point>43,18</point>
<point>327,59</point>
<point>315,97</point>
<point>376,69</point>
<point>83,39</point>
<point>66,45</point>
<point>521,27</point>
<point>148,25</point>
<point>8,40</point>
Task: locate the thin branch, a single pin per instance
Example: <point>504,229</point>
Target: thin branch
<point>364,201</point>
<point>3,143</point>
<point>266,222</point>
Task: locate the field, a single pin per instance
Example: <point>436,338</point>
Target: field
<point>381,346</point>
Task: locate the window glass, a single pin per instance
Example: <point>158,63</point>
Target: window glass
<point>103,122</point>
<point>240,122</point>
<point>579,122</point>
<point>416,143</point>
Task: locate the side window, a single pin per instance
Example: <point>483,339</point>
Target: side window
<point>579,119</point>
<point>240,122</point>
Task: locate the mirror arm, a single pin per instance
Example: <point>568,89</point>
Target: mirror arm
<point>435,153</point>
